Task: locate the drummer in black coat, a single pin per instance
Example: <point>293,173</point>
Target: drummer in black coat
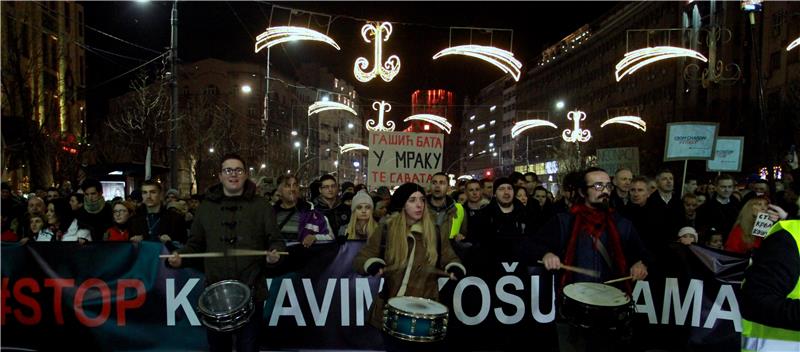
<point>593,237</point>
<point>233,218</point>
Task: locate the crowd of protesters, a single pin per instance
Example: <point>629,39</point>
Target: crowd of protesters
<point>514,218</point>
<point>484,219</point>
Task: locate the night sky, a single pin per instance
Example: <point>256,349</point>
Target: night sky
<point>227,30</point>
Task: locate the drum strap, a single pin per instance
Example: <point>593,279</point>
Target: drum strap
<point>603,252</point>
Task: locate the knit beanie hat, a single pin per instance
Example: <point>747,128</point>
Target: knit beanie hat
<point>501,181</point>
<point>361,198</point>
<point>402,194</point>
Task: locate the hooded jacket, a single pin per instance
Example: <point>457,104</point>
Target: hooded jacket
<point>225,223</point>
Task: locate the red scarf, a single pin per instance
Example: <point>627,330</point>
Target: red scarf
<point>594,222</point>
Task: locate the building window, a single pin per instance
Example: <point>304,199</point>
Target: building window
<point>481,126</point>
<point>211,90</point>
<point>775,61</point>
<point>491,123</point>
<point>491,136</point>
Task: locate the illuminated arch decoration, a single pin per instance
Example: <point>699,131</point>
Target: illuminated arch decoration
<point>381,107</point>
<point>386,70</point>
<point>282,34</point>
<point>349,147</point>
<point>525,125</point>
<point>435,120</point>
<point>500,58</point>
<point>321,106</point>
<point>793,44</point>
<point>576,134</point>
<point>634,121</point>
<point>637,59</point>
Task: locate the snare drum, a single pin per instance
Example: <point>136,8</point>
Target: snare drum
<point>225,305</point>
<point>596,305</point>
<point>415,319</point>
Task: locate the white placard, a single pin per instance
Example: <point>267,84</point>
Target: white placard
<point>399,157</point>
<point>727,155</point>
<point>762,225</point>
<point>690,141</point>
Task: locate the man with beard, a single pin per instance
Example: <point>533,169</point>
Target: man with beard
<point>593,237</point>
<point>96,215</point>
<point>448,215</point>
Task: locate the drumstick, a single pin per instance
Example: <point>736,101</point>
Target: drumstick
<point>196,255</point>
<point>618,280</point>
<point>250,252</point>
<point>578,270</point>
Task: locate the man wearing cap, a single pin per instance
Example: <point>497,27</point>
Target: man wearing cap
<point>503,224</point>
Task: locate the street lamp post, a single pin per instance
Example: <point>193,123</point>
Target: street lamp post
<point>173,148</point>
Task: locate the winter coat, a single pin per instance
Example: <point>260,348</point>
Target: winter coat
<point>225,223</point>
<point>422,280</point>
<point>169,223</point>
<point>338,215</point>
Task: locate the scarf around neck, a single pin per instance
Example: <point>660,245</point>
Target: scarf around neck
<point>594,223</point>
<point>94,208</point>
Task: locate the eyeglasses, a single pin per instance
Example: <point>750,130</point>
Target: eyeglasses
<point>230,172</point>
<point>120,211</point>
<point>599,186</point>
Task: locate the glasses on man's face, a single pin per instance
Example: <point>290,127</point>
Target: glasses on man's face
<point>231,171</point>
<point>599,186</point>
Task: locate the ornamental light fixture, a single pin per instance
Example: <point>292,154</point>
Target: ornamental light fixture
<point>634,121</point>
<point>351,147</point>
<point>435,120</point>
<point>576,134</point>
<point>381,107</point>
<point>322,105</point>
<point>525,125</point>
<point>500,58</point>
<point>637,59</point>
<point>282,34</point>
<point>386,70</point>
<point>793,44</point>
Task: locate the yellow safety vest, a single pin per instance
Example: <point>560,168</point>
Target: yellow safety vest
<point>760,337</point>
<point>457,220</point>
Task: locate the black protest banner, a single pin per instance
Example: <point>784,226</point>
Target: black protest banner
<point>108,296</point>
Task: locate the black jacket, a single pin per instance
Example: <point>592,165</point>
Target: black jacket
<point>500,235</point>
<point>164,222</point>
<point>773,274</point>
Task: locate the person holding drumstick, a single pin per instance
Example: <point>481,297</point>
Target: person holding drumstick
<point>591,236</point>
<point>409,253</point>
<point>232,217</point>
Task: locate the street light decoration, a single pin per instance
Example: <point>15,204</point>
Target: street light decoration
<point>637,59</point>
<point>500,58</point>
<point>282,34</point>
<point>380,107</point>
<point>386,70</point>
<point>793,44</point>
<point>634,121</point>
<point>435,120</point>
<point>577,134</point>
<point>525,125</point>
<point>351,147</point>
<point>321,106</point>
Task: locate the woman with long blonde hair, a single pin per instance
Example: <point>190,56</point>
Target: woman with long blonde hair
<point>362,225</point>
<point>741,239</point>
<point>408,252</point>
